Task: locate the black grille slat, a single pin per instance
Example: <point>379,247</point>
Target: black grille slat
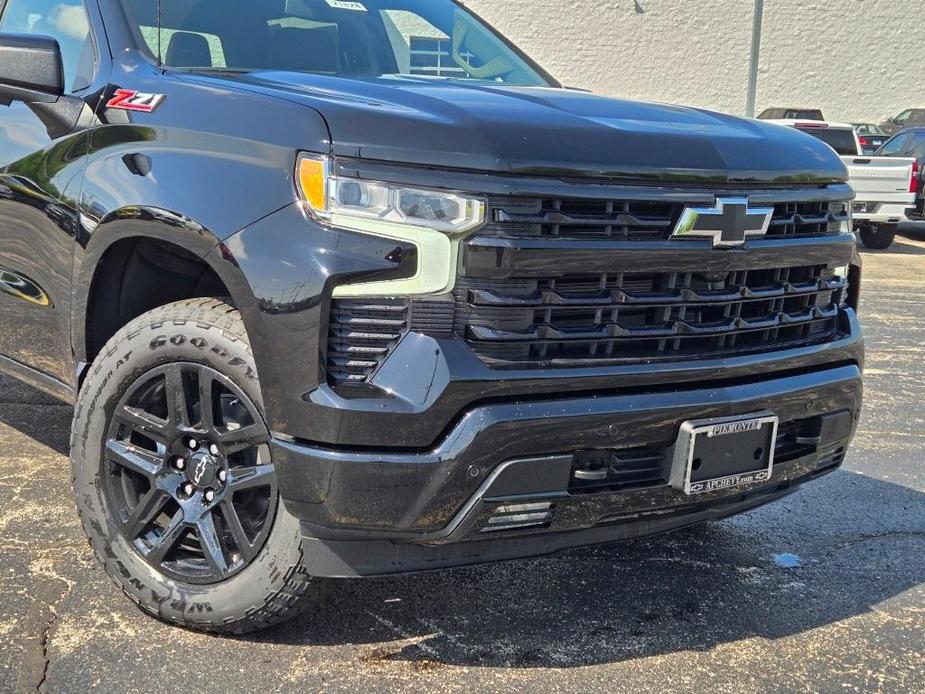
<point>807,219</point>
<point>581,218</point>
<point>677,329</point>
<point>488,297</point>
<point>362,334</point>
<point>565,321</point>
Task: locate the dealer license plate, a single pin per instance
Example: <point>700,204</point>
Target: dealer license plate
<point>715,454</point>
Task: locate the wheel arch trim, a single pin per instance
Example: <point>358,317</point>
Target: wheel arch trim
<point>152,223</point>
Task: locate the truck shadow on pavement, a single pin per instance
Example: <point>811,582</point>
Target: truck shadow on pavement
<point>896,248</point>
<point>833,551</point>
<point>19,404</point>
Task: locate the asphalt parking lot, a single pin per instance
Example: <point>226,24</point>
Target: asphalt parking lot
<point>822,591</point>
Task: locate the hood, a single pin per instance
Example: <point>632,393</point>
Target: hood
<point>547,131</point>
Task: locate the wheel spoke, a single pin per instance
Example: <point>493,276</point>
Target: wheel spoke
<point>143,422</point>
<point>210,544</point>
<point>230,513</point>
<point>206,399</point>
<point>252,477</point>
<point>168,539</point>
<point>237,440</point>
<point>135,459</point>
<point>148,508</point>
<point>177,406</point>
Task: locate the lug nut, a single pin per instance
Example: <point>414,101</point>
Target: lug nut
<point>192,444</point>
<point>188,489</point>
<point>179,463</point>
<point>222,475</point>
<point>210,495</point>
<point>213,449</point>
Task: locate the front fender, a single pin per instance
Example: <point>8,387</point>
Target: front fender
<point>224,183</point>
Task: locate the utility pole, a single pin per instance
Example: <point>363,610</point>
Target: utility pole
<point>753,64</point>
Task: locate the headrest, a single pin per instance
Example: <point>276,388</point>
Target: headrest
<point>188,50</point>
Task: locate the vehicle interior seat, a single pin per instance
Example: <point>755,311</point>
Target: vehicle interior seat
<point>188,50</point>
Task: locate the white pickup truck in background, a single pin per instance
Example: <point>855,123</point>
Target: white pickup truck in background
<point>884,187</point>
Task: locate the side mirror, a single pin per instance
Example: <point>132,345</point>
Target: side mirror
<point>30,68</point>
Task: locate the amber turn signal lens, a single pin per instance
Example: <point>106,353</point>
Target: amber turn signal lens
<point>313,182</point>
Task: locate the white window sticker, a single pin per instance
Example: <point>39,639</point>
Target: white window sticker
<point>347,5</point>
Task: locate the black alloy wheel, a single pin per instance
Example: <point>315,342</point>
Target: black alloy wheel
<point>187,471</point>
<point>177,491</point>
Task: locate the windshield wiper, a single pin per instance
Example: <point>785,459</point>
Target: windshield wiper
<point>215,70</point>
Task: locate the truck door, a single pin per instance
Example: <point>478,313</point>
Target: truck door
<point>40,176</point>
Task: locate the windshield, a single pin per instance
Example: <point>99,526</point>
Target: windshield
<point>841,139</point>
<point>431,38</point>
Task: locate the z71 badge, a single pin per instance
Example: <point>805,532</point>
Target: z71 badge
<point>130,100</point>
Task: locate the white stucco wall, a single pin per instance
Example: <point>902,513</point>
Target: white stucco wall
<point>697,51</point>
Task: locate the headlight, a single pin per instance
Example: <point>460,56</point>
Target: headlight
<point>434,221</point>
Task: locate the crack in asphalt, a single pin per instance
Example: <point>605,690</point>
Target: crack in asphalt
<point>46,661</point>
<point>40,618</point>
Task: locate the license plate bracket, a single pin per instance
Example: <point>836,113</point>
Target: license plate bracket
<point>724,452</point>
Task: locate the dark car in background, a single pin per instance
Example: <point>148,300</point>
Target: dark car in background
<point>909,118</point>
<point>910,143</point>
<point>870,136</point>
<point>790,113</point>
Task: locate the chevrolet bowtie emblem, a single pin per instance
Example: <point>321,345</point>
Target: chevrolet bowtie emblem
<point>728,223</point>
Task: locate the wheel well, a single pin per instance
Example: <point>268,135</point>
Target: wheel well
<point>138,274</point>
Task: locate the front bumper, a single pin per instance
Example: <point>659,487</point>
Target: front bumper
<point>379,512</point>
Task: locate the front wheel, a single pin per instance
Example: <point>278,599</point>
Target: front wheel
<point>173,475</point>
<point>878,237</point>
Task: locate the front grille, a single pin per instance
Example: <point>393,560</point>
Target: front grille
<point>646,315</point>
<point>635,220</point>
<point>568,282</point>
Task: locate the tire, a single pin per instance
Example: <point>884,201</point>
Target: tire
<point>878,237</point>
<point>235,582</point>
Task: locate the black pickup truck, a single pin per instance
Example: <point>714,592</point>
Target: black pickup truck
<point>353,288</point>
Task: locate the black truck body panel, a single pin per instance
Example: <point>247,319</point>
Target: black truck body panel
<point>387,476</point>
